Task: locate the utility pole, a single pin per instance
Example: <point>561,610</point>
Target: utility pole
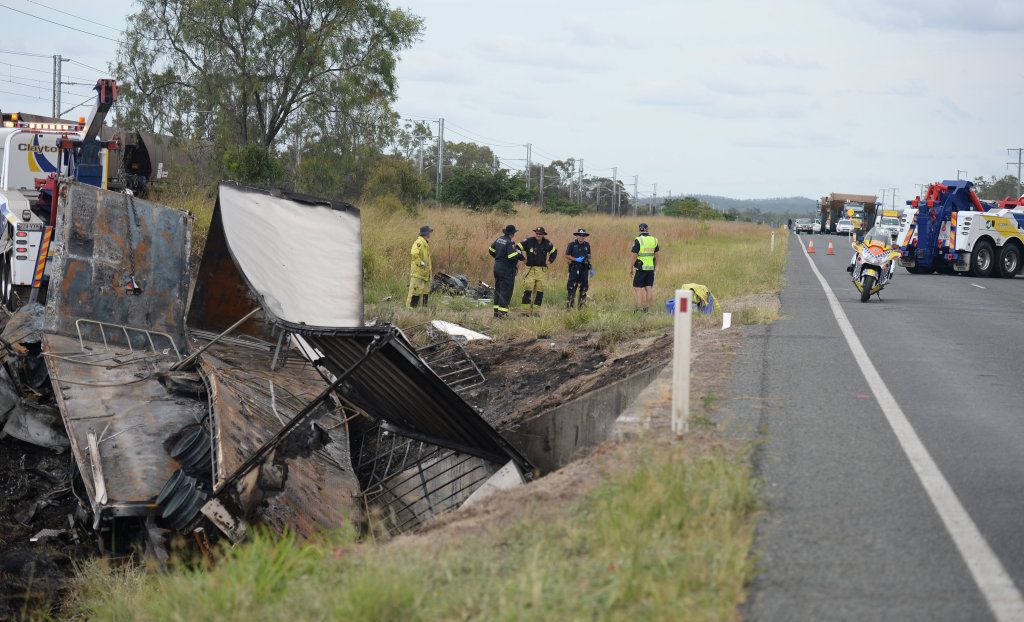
<point>883,190</point>
<point>615,185</point>
<point>1020,161</point>
<point>540,185</point>
<point>654,200</point>
<point>958,171</point>
<point>636,196</point>
<point>440,156</point>
<point>894,191</point>
<point>529,149</point>
<point>921,189</point>
<point>419,156</point>
<point>581,181</point>
<point>58,62</point>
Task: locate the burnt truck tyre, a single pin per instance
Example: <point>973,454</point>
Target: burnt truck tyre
<point>983,259</point>
<point>1009,260</point>
<point>866,284</point>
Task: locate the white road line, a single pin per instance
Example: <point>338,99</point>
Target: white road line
<point>978,286</point>
<point>995,584</point>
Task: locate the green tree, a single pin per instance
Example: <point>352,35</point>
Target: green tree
<point>477,188</point>
<point>691,207</point>
<point>252,164</point>
<point>243,71</point>
<point>996,189</point>
<point>395,176</point>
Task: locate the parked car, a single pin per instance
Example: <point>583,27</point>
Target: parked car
<point>817,226</point>
<point>890,225</point>
<point>803,225</point>
<point>844,227</point>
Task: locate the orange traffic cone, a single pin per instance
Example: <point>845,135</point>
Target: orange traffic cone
<point>830,251</point>
<point>810,246</point>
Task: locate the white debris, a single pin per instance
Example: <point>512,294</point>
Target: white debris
<point>455,330</point>
<point>507,477</point>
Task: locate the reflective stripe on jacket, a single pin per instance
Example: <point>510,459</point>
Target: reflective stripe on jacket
<point>648,244</point>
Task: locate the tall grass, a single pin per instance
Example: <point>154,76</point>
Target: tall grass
<point>664,537</point>
<point>731,258</point>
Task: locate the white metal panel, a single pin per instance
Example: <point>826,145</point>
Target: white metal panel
<point>303,260</point>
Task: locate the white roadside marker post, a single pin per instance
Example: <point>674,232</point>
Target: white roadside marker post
<point>681,363</point>
<point>773,241</point>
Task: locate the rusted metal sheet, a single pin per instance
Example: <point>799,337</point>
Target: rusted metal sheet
<point>250,404</point>
<point>117,396</point>
<point>104,238</point>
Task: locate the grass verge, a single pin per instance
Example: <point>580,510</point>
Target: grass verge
<point>664,536</point>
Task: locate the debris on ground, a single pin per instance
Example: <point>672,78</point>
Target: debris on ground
<point>460,333</point>
<point>458,285</point>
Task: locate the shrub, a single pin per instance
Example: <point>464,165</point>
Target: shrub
<point>395,177</point>
<point>252,164</point>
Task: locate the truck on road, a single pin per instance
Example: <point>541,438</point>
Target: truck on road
<point>952,230</point>
<point>859,208</point>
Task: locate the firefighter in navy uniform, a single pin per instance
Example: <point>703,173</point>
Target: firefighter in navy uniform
<point>507,255</point>
<point>540,253</point>
<point>578,256</point>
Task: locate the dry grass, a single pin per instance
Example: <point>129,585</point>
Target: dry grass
<point>732,259</point>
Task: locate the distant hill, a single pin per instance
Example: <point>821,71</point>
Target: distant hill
<point>782,205</point>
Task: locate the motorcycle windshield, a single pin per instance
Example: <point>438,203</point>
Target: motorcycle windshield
<point>877,237</point>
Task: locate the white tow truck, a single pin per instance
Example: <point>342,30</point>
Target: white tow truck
<point>988,243</point>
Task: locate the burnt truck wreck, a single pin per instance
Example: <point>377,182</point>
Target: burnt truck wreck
<point>254,395</point>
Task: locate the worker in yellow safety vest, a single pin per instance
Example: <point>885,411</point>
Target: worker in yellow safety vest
<point>645,259</point>
<point>420,270</point>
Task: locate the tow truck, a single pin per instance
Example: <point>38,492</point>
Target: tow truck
<point>953,231</point>
<point>35,155</point>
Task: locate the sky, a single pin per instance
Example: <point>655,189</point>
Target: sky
<point>742,99</point>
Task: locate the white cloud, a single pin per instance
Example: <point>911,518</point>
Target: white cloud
<point>975,15</point>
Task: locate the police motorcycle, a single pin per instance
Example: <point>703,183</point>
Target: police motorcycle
<point>873,262</point>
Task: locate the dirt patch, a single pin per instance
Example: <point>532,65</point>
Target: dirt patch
<point>529,376</point>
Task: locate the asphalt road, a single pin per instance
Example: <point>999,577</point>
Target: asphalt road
<point>849,531</point>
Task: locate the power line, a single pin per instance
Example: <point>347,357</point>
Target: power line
<point>495,140</point>
<point>55,23</point>
<point>87,66</point>
<point>23,53</point>
<point>84,19</point>
<point>39,85</point>
<point>24,95</point>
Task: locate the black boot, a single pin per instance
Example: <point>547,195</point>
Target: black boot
<point>414,302</point>
<point>526,297</point>
<point>539,298</point>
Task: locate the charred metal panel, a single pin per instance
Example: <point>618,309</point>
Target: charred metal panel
<point>409,482</point>
<point>103,238</point>
<point>396,386</point>
<point>298,256</point>
<point>118,397</point>
<point>250,405</point>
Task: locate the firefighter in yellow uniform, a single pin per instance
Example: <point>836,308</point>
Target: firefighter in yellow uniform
<point>540,253</point>
<point>420,271</point>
